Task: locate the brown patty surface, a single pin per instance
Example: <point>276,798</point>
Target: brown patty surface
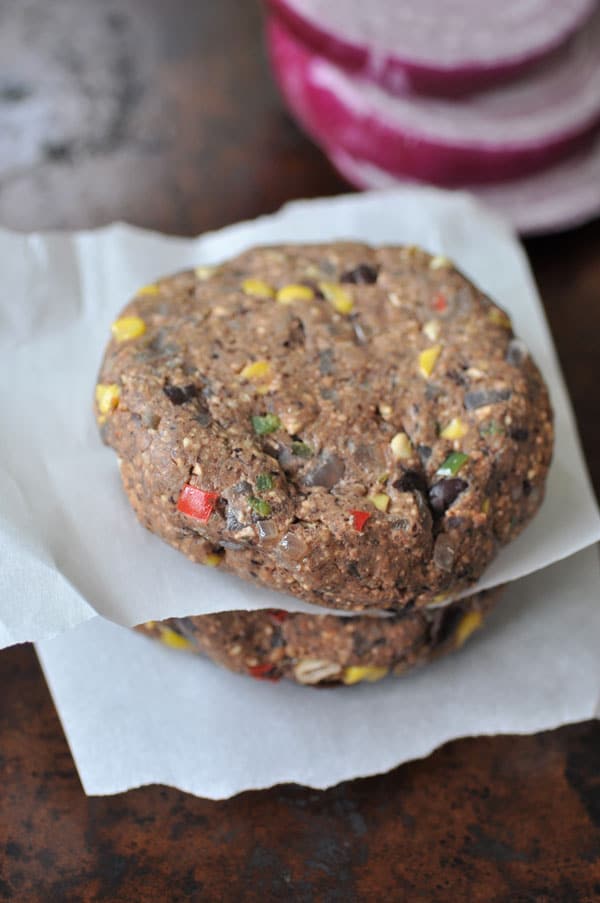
<point>358,427</point>
<point>325,649</point>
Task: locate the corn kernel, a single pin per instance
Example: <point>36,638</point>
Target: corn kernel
<point>127,328</point>
<point>456,429</point>
<point>355,673</point>
<point>428,359</point>
<point>204,272</point>
<point>381,501</point>
<point>258,288</point>
<point>294,292</point>
<point>257,371</point>
<point>439,600</point>
<point>151,289</point>
<point>107,397</point>
<point>498,317</point>
<point>172,639</point>
<point>213,560</point>
<point>401,446</point>
<point>486,506</point>
<point>432,329</point>
<point>468,625</point>
<point>337,296</point>
<point>440,262</point>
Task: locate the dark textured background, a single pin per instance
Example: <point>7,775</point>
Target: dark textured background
<point>163,114</point>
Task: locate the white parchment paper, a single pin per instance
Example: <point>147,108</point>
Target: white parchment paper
<point>69,543</point>
<point>135,712</point>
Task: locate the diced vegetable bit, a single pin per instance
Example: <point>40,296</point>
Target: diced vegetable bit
<point>469,623</point>
<point>196,502</point>
<point>432,330</point>
<point>294,292</point>
<point>428,359</point>
<point>107,397</point>
<point>259,506</point>
<point>456,429</point>
<point>263,424</point>
<point>486,506</point>
<point>257,371</point>
<point>264,481</point>
<point>264,671</point>
<point>499,318</point>
<point>204,272</point>
<point>151,289</point>
<point>337,296</point>
<point>126,328</point>
<point>440,262</point>
<point>356,673</point>
<point>453,463</point>
<point>301,449</point>
<point>170,638</point>
<point>359,519</point>
<point>277,614</point>
<point>492,428</point>
<point>213,560</point>
<point>440,303</point>
<point>401,447</point>
<point>257,288</point>
<point>381,501</point>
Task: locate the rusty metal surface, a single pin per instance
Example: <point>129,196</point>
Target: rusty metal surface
<point>163,115</point>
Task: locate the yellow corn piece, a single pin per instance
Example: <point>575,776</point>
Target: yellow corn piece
<point>151,289</point>
<point>432,329</point>
<point>294,292</point>
<point>107,397</point>
<point>172,639</point>
<point>428,359</point>
<point>204,272</point>
<point>486,506</point>
<point>355,673</point>
<point>213,560</point>
<point>127,328</point>
<point>337,296</point>
<point>498,317</point>
<point>456,429</point>
<point>438,600</point>
<point>258,288</point>
<point>401,446</point>
<point>469,623</point>
<point>257,371</point>
<point>440,262</point>
<point>381,501</point>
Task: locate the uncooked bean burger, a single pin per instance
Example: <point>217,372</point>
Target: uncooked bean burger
<point>358,427</point>
<point>325,649</point>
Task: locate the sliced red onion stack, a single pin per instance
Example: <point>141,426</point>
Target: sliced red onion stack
<point>540,126</point>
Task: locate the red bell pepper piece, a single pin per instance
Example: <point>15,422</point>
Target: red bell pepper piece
<point>440,303</point>
<point>277,614</point>
<point>266,671</point>
<point>197,502</point>
<point>359,519</point>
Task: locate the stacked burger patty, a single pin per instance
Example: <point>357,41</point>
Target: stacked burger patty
<point>357,427</point>
<point>453,94</point>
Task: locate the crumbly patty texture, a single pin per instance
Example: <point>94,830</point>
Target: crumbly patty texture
<point>325,649</point>
<point>358,427</point>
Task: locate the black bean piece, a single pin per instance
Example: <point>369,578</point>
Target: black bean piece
<point>363,274</point>
<point>444,493</point>
<point>519,433</point>
<point>243,487</point>
<point>424,453</point>
<point>516,352</point>
<point>411,481</point>
<point>482,397</point>
<point>329,471</point>
<point>180,394</point>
